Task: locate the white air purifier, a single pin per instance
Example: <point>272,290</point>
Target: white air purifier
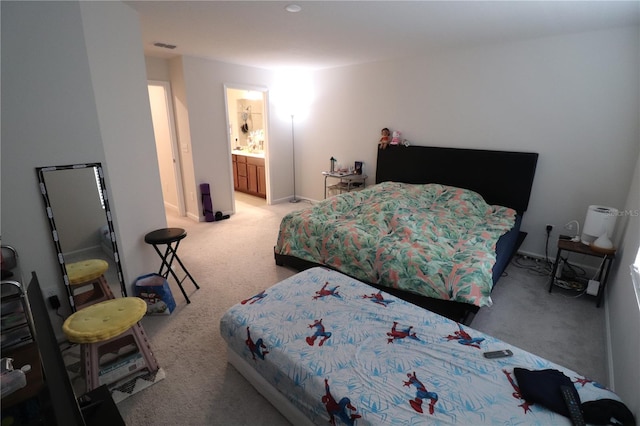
<point>600,221</point>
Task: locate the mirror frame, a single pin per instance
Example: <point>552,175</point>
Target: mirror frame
<point>54,231</point>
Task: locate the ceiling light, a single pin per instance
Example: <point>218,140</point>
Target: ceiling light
<point>293,8</point>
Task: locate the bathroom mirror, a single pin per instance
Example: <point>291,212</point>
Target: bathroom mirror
<point>77,208</point>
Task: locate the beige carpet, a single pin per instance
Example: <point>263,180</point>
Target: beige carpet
<point>230,260</point>
<point>233,259</point>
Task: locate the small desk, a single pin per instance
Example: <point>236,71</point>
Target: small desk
<point>578,247</point>
<point>348,181</point>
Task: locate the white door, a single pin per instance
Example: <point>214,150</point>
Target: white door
<point>166,146</point>
<point>248,107</point>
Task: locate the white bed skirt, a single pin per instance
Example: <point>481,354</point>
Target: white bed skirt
<point>282,404</point>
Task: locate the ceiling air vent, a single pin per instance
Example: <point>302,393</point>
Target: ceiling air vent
<point>164,45</point>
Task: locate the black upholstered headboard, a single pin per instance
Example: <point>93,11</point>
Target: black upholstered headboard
<point>501,177</point>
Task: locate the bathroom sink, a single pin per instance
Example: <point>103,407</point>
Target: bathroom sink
<point>248,153</point>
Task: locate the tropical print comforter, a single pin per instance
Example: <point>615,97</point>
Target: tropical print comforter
<point>344,353</point>
<point>433,240</point>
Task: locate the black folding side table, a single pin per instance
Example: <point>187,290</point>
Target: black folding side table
<point>171,237</point>
<point>578,247</point>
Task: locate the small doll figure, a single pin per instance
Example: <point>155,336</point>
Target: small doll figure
<point>395,140</point>
<point>385,139</point>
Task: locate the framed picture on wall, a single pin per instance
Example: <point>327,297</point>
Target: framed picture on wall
<point>358,167</point>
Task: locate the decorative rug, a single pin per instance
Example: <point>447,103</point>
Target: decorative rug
<point>120,390</point>
<point>131,386</point>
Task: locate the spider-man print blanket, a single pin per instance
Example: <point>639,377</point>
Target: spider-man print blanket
<point>344,352</point>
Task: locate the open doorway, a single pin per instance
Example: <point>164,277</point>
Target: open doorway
<point>248,141</point>
<point>166,147</point>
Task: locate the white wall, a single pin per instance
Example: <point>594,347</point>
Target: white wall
<point>573,99</point>
<point>74,91</point>
<point>198,87</point>
<point>49,118</point>
<point>157,69</point>
<point>623,310</point>
<point>203,97</point>
<point>119,84</point>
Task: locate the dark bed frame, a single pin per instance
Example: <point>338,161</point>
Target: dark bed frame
<point>503,178</point>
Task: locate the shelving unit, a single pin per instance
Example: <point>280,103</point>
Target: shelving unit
<point>348,181</point>
<point>16,322</point>
<point>577,247</point>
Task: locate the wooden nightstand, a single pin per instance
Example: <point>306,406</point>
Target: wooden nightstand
<point>578,247</point>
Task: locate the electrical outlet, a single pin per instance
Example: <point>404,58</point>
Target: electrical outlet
<point>54,302</point>
<point>549,227</point>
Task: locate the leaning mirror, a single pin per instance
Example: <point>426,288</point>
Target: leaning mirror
<point>77,209</point>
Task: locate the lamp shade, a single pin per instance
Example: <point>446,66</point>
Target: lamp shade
<point>599,220</point>
<point>293,93</point>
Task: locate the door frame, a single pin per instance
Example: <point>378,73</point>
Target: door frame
<point>265,101</point>
<point>175,152</point>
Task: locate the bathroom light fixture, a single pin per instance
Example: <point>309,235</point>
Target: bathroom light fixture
<point>293,8</point>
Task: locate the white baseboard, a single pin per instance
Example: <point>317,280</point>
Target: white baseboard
<point>171,207</point>
<point>533,255</point>
<point>195,218</point>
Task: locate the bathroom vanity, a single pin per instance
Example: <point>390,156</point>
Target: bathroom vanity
<point>249,173</point>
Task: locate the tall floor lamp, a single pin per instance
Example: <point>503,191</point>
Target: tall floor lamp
<point>293,150</point>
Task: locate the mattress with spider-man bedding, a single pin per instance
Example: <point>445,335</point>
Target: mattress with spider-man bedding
<point>431,240</point>
<point>341,351</point>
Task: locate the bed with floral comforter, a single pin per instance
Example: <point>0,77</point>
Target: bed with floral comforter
<point>432,240</point>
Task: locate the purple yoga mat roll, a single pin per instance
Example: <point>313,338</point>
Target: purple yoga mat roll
<point>207,206</point>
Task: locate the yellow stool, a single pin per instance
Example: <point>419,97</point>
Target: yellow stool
<point>85,273</point>
<point>111,327</point>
